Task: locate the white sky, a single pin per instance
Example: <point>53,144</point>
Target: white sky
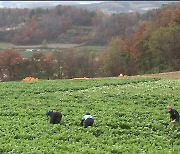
<point>88,2</point>
<point>82,2</point>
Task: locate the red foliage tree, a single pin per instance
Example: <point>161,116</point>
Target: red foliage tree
<point>175,18</point>
<point>140,30</point>
<point>49,65</point>
<point>164,18</point>
<point>36,64</point>
<point>129,46</point>
<point>69,63</point>
<point>42,65</point>
<point>9,60</point>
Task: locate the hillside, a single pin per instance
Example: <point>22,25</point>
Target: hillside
<point>108,7</point>
<point>125,7</point>
<point>70,24</point>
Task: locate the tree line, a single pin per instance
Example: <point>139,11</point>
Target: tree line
<point>58,65</point>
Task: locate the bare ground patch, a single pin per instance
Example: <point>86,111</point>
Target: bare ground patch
<point>4,46</point>
<point>52,45</point>
<point>167,75</point>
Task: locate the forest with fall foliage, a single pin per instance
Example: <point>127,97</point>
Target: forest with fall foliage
<point>134,43</point>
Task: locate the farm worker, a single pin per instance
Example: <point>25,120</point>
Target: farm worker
<point>87,120</point>
<point>174,115</point>
<point>55,117</point>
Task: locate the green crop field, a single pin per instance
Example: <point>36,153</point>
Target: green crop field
<point>28,50</point>
<point>28,54</point>
<point>130,116</point>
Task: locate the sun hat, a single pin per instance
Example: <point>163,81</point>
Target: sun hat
<point>47,113</point>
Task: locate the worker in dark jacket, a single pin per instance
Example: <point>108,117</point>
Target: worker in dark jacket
<point>87,120</point>
<point>174,115</point>
<point>55,117</point>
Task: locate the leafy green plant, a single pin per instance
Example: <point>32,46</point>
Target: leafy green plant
<point>129,114</point>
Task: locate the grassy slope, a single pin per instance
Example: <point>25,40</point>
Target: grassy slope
<point>51,48</point>
<point>5,45</point>
<point>129,114</point>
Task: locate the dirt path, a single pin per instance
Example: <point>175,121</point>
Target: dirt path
<point>51,45</point>
<point>168,75</point>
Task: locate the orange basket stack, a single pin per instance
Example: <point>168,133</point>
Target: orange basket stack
<point>85,78</point>
<point>28,79</point>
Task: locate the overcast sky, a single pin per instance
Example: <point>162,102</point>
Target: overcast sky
<point>89,2</point>
<point>82,2</point>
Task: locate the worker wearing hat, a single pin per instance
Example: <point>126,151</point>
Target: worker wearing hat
<point>174,115</point>
<point>55,117</point>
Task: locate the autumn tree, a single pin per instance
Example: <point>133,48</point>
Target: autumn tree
<point>175,18</point>
<point>9,61</point>
<point>24,69</point>
<point>49,66</point>
<point>164,18</point>
<point>36,65</point>
<point>85,62</point>
<point>69,63</point>
<point>99,64</point>
<point>131,60</point>
<point>115,57</point>
<point>59,58</point>
<point>164,48</point>
<point>142,36</point>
